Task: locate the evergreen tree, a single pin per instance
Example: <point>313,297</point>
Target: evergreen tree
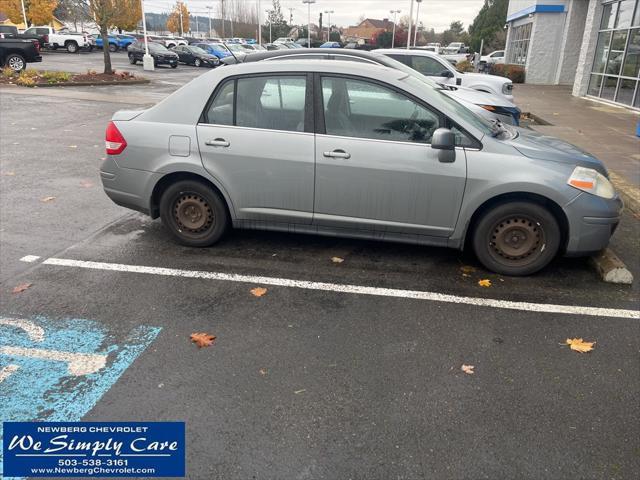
<point>489,25</point>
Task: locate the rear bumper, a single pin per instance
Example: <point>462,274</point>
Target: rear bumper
<point>592,222</point>
<point>127,187</point>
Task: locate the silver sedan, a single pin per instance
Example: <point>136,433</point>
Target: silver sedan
<point>355,150</point>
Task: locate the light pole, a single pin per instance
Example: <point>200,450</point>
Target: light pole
<point>147,60</point>
<point>197,28</point>
<point>209,9</point>
<point>268,12</point>
<point>308,2</point>
<point>259,24</point>
<point>328,12</point>
<point>393,38</point>
<point>410,22</point>
<point>181,29</point>
<point>415,32</point>
<point>24,16</point>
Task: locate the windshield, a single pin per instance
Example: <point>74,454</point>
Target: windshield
<point>156,47</point>
<point>197,50</point>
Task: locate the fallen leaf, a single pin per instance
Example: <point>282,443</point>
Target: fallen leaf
<point>579,345</point>
<point>21,288</point>
<point>258,291</point>
<point>86,184</point>
<point>263,371</point>
<point>466,269</point>
<point>484,283</point>
<point>468,369</point>
<point>47,199</point>
<point>298,392</point>
<point>466,275</point>
<point>73,146</point>
<point>8,174</point>
<point>337,259</point>
<point>202,339</point>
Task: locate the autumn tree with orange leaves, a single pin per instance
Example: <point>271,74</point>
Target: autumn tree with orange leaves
<point>109,14</point>
<point>39,12</point>
<point>179,13</point>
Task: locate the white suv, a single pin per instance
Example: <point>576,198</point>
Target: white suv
<point>440,70</point>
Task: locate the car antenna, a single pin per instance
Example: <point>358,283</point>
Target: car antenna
<point>231,52</point>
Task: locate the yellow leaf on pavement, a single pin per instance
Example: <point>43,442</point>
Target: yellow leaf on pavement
<point>258,291</point>
<point>466,269</point>
<point>468,369</point>
<point>484,283</point>
<point>202,339</point>
<point>337,259</point>
<point>579,345</point>
<point>47,199</point>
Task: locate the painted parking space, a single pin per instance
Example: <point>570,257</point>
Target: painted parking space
<point>57,370</point>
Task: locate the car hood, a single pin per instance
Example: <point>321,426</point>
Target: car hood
<point>477,97</point>
<point>544,147</point>
<point>483,77</point>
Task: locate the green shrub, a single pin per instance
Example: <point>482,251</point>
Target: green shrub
<point>56,77</point>
<point>464,66</point>
<point>515,73</point>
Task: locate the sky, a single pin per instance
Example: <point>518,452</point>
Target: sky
<point>437,14</point>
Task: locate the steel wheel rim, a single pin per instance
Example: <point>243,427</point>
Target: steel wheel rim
<point>193,214</point>
<point>16,63</point>
<point>516,240</point>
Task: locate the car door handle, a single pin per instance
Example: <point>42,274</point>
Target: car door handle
<point>337,154</point>
<point>218,142</point>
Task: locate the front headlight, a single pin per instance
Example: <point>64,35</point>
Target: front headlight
<point>507,88</point>
<point>591,181</point>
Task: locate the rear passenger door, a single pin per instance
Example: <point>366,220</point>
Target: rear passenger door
<point>256,137</point>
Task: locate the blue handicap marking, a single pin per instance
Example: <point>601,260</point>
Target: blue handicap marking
<point>57,370</point>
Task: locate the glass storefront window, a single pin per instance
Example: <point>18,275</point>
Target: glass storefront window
<point>519,44</point>
<point>616,63</point>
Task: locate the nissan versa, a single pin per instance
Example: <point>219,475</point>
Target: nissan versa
<point>355,150</point>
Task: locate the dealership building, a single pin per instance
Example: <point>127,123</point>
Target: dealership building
<point>593,45</point>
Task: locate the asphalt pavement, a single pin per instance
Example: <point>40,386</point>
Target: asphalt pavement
<point>313,380</point>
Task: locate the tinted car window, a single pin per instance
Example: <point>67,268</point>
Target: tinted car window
<point>427,66</point>
<point>42,31</point>
<point>221,110</point>
<point>275,103</point>
<point>355,108</point>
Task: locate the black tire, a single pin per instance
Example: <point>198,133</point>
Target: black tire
<point>132,59</point>
<point>194,213</point>
<point>90,48</point>
<point>197,62</point>
<point>113,48</point>
<point>174,65</point>
<point>516,238</point>
<point>72,47</point>
<point>53,47</point>
<point>15,62</point>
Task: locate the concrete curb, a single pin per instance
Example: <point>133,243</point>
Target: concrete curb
<point>629,193</point>
<point>91,84</point>
<point>610,268</point>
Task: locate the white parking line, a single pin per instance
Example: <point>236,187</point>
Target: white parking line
<point>339,288</point>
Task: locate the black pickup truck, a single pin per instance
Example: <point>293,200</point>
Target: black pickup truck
<point>11,31</point>
<point>15,53</point>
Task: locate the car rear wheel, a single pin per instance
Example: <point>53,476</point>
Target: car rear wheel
<point>72,47</point>
<point>174,65</point>
<point>113,47</point>
<point>194,213</point>
<point>15,62</point>
<point>516,238</point>
<point>132,59</point>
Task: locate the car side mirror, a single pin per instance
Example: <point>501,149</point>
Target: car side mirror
<point>447,74</point>
<point>444,141</point>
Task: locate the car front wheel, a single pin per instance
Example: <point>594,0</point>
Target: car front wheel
<point>197,62</point>
<point>15,62</point>
<point>194,213</point>
<point>516,238</point>
<point>72,47</point>
<point>113,47</point>
<point>132,59</point>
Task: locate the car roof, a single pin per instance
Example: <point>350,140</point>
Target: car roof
<point>256,57</point>
<point>404,51</point>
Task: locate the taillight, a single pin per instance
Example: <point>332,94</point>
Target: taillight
<point>114,141</point>
<point>36,43</point>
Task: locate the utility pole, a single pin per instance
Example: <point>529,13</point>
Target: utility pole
<point>268,12</point>
<point>209,9</point>
<point>328,12</point>
<point>197,28</point>
<point>222,15</point>
<point>393,38</point>
<point>147,60</point>
<point>259,24</point>
<point>291,9</point>
<point>410,22</point>
<point>180,8</point>
<point>308,2</point>
<point>24,16</point>
<point>415,32</point>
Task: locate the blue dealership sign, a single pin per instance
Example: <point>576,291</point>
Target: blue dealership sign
<point>94,449</point>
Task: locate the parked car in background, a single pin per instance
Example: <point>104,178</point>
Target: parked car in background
<point>161,55</point>
<point>275,46</point>
<point>253,47</point>
<point>11,31</point>
<point>238,50</point>
<point>436,67</point>
<point>170,42</point>
<point>114,43</point>
<point>486,105</point>
<point>493,58</point>
<point>16,53</point>
<point>331,45</point>
<point>362,152</point>
<point>125,40</point>
<point>192,55</point>
<point>217,49</point>
<point>285,39</point>
<point>73,42</point>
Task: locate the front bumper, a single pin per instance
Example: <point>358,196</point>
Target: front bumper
<point>592,222</point>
